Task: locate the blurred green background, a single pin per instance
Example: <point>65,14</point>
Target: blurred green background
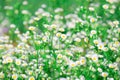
<point>68,6</point>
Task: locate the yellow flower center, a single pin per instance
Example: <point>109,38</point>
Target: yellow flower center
<point>14,77</point>
<point>31,78</point>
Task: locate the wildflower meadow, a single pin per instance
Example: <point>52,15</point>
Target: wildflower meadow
<point>59,39</point>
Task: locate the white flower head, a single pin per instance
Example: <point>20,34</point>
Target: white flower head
<point>82,77</point>
<point>43,6</point>
<point>116,22</point>
<point>63,79</point>
<point>63,36</point>
<point>72,64</point>
<point>99,70</point>
<point>32,28</point>
<point>31,78</point>
<point>12,26</point>
<point>18,62</point>
<point>82,60</point>
<point>2,75</point>
<point>105,6</point>
<point>92,19</point>
<point>25,2</point>
<point>14,76</point>
<point>25,12</point>
<point>93,32</point>
<point>110,78</point>
<point>77,39</point>
<point>9,60</point>
<point>91,9</point>
<point>101,46</point>
<point>104,74</point>
<point>59,56</point>
<point>95,57</point>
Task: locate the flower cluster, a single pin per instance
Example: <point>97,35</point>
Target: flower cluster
<point>83,45</point>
